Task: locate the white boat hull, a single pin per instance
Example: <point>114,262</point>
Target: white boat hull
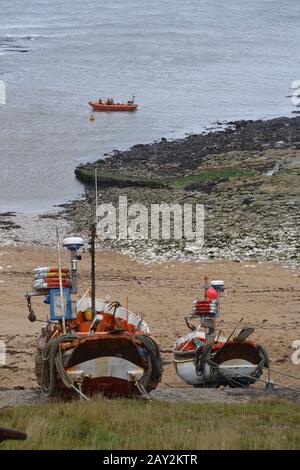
<point>237,365</point>
<point>107,367</point>
<point>186,370</point>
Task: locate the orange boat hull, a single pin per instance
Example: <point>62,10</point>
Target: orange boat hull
<point>112,107</point>
<point>106,362</point>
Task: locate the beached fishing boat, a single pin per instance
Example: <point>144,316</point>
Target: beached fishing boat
<point>109,105</point>
<point>92,345</point>
<point>205,358</point>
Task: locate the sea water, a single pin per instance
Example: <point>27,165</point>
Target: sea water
<point>190,64</point>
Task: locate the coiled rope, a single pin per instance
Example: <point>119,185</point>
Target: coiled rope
<point>53,364</point>
<point>203,357</point>
<point>154,367</point>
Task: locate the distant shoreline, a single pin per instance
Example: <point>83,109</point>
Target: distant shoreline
<point>153,164</point>
<point>246,175</point>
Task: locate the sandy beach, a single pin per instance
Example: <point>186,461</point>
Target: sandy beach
<point>199,182</point>
<point>246,176</point>
<point>265,294</point>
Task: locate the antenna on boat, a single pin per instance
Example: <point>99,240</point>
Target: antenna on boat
<point>73,244</point>
<point>92,250</point>
<point>61,292</point>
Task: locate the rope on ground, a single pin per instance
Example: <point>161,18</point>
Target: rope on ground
<point>274,371</point>
<point>234,382</point>
<point>275,384</point>
<point>261,380</point>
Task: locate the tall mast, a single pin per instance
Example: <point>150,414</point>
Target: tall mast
<point>93,270</point>
<point>93,261</point>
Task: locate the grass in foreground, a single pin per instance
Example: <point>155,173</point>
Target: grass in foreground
<point>134,424</point>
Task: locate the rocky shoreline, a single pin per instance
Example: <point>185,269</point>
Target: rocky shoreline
<point>247,176</point>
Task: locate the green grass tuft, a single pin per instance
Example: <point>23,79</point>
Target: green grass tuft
<point>289,171</point>
<point>183,181</point>
<point>136,424</point>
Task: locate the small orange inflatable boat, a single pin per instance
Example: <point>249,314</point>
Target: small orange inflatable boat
<point>109,105</point>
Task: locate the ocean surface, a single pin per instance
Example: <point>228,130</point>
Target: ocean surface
<point>190,64</point>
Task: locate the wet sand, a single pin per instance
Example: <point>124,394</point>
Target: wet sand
<point>266,295</point>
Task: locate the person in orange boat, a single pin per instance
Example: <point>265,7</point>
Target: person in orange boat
<point>100,101</point>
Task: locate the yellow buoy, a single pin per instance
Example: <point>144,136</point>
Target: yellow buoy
<point>88,315</point>
<point>92,117</point>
